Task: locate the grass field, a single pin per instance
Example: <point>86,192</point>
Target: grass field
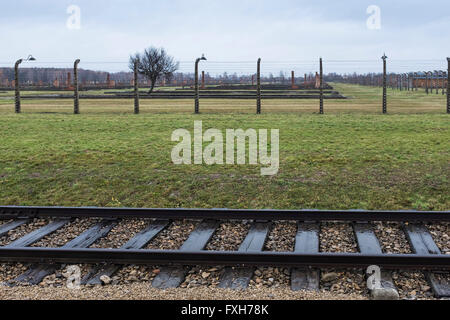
<point>352,157</point>
<point>362,99</point>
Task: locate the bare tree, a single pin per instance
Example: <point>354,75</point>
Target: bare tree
<point>154,64</point>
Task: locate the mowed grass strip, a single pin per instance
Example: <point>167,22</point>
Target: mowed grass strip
<point>361,99</point>
<point>109,157</point>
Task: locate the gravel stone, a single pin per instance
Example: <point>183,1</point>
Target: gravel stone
<point>173,237</point>
<point>105,279</point>
<point>392,238</point>
<point>65,234</point>
<point>10,271</point>
<point>22,230</point>
<point>228,237</point>
<point>337,237</point>
<point>329,277</point>
<point>142,291</point>
<point>410,285</point>
<point>269,277</point>
<point>282,237</point>
<point>200,276</point>
<point>385,294</point>
<point>121,233</point>
<point>344,281</point>
<point>201,281</point>
<point>441,236</point>
<point>132,274</point>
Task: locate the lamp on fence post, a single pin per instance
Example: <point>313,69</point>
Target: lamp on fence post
<point>384,57</point>
<point>136,88</point>
<point>258,87</point>
<point>448,86</point>
<point>76,96</point>
<point>321,86</point>
<point>16,81</point>
<point>197,93</point>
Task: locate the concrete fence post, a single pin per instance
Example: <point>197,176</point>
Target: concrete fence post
<point>258,89</point>
<point>76,95</point>
<point>197,91</point>
<point>293,80</point>
<point>448,86</point>
<point>17,85</point>
<point>136,89</point>
<point>321,86</point>
<point>197,94</point>
<point>384,84</point>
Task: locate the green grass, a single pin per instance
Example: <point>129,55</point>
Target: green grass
<point>361,99</point>
<point>352,157</point>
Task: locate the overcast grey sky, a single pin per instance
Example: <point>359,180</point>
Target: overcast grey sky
<point>286,34</point>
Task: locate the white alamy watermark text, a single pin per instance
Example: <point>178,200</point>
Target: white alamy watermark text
<point>229,149</point>
<point>374,20</point>
<point>73,22</point>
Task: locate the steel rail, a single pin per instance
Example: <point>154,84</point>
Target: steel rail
<point>14,212</point>
<point>161,257</point>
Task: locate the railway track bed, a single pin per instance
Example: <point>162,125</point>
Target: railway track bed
<point>228,249</point>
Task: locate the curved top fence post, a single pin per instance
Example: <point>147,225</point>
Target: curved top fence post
<point>76,103</point>
<point>17,85</point>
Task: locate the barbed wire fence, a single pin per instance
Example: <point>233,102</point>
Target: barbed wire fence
<point>277,80</point>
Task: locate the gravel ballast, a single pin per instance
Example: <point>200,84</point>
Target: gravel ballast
<point>22,230</point>
<point>337,238</point>
<point>334,237</point>
<point>441,236</point>
<point>228,237</point>
<point>65,234</point>
<point>121,233</point>
<point>412,285</point>
<point>392,238</point>
<point>143,291</point>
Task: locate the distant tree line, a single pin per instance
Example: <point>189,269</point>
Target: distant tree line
<point>48,75</point>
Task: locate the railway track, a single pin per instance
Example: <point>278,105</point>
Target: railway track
<point>304,261</point>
